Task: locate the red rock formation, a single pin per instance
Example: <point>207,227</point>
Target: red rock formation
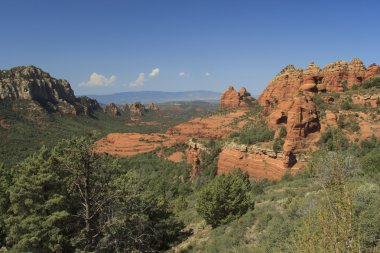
<point>193,157</point>
<point>356,72</point>
<point>302,122</point>
<point>231,99</point>
<point>282,88</point>
<point>366,100</point>
<point>332,78</point>
<point>373,71</point>
<point>256,161</point>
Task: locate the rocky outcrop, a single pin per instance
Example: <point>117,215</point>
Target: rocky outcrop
<point>153,107</point>
<point>89,105</point>
<point>137,109</point>
<point>334,77</point>
<point>257,162</point>
<point>232,99</point>
<point>112,109</point>
<point>32,84</point>
<point>302,128</point>
<point>366,100</point>
<point>282,88</point>
<point>193,157</point>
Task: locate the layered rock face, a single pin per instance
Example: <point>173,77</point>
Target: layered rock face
<point>232,99</point>
<point>33,84</point>
<point>334,77</point>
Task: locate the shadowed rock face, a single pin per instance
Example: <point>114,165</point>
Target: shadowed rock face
<point>33,84</point>
<point>232,99</point>
<point>112,109</point>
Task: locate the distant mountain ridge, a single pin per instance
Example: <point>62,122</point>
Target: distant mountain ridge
<point>156,96</point>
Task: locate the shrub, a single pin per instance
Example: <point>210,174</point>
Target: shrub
<point>346,105</point>
<point>225,198</point>
<point>333,139</point>
<point>371,162</point>
<point>254,134</point>
<point>278,144</point>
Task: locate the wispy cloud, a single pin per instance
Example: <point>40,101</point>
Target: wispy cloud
<point>207,74</point>
<point>139,81</point>
<point>182,74</point>
<point>99,80</point>
<point>154,72</point>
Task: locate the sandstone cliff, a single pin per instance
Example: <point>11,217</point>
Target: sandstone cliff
<point>334,77</point>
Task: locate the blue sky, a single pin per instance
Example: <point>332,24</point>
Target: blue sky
<point>109,46</point>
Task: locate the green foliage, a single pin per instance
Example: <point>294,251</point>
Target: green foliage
<point>225,198</point>
<point>371,162</point>
<point>333,139</point>
<point>209,161</point>
<point>141,220</point>
<point>346,104</point>
<point>280,140</point>
<point>373,83</point>
<point>254,133</point>
<point>72,199</point>
<point>37,207</point>
<point>6,177</point>
<point>366,206</point>
<point>278,144</point>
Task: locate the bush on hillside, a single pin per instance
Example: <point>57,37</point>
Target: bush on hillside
<point>225,198</point>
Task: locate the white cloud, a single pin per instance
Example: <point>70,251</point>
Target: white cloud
<point>154,72</point>
<point>183,74</point>
<point>99,80</point>
<point>207,74</point>
<point>139,81</point>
